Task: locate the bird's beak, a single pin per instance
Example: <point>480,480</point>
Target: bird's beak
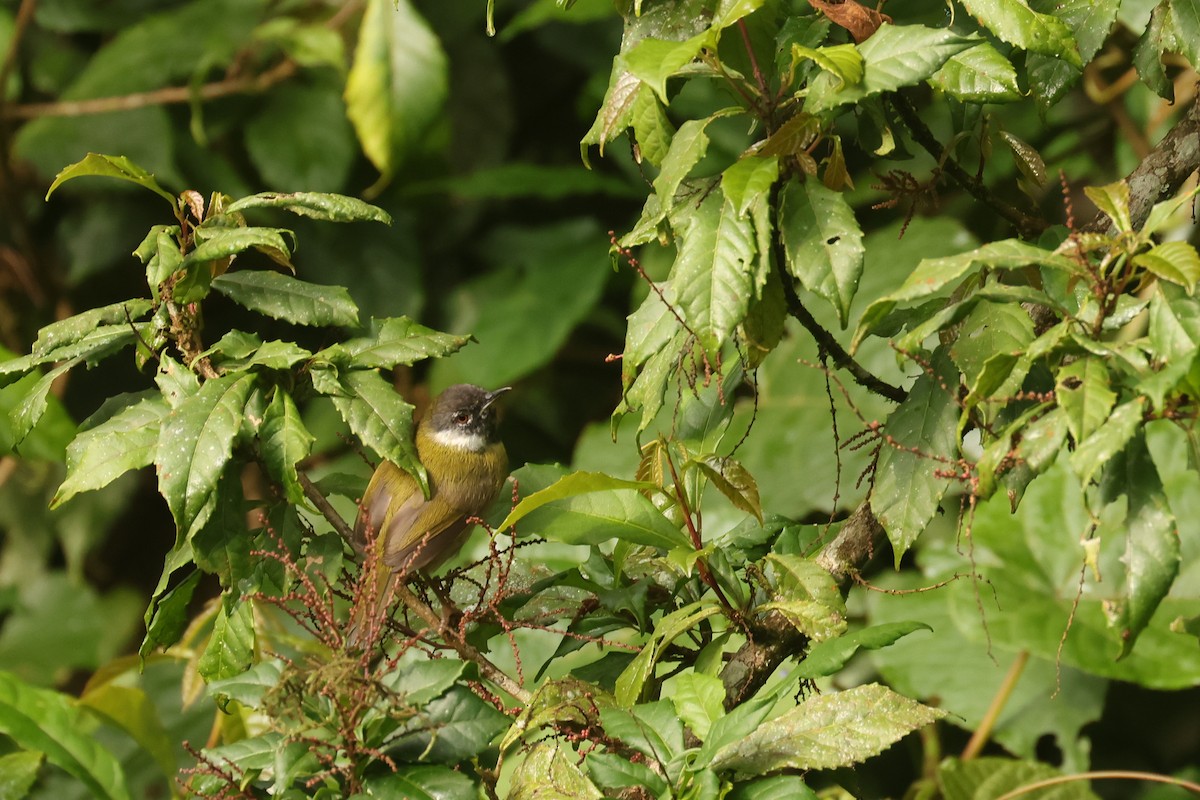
<point>491,397</point>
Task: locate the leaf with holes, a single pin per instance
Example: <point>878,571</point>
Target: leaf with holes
<point>824,243</point>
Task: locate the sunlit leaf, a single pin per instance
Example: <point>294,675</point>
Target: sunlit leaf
<point>287,298</point>
<point>118,167</point>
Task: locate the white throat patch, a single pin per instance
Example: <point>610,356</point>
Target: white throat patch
<point>461,440</point>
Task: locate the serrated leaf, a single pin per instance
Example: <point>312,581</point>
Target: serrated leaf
<point>1152,554</point>
<point>18,771</point>
<point>612,771</point>
<point>195,442</point>
<point>397,83</point>
<point>315,205</point>
<point>688,146</point>
<point>550,770</point>
<point>615,111</point>
<point>699,700</point>
<point>734,481</point>
<point>652,729</point>
<point>747,179</point>
<point>867,720</point>
<point>97,344</point>
<point>711,276</point>
<point>1085,394</point>
<point>118,167</point>
<point>978,75</point>
<point>399,340</point>
<point>653,61</point>
<point>633,679</point>
<point>216,244</point>
<point>287,298</point>
<point>127,440</point>
<point>420,782</point>
<point>48,722</point>
<point>921,439</point>
<point>74,329</point>
<point>1177,262</point>
<point>1107,440</point>
<point>823,242</point>
<point>230,648</point>
<point>842,60</point>
<point>995,777</point>
<point>380,419</point>
<point>285,442</point>
<point>828,657</point>
<point>1113,200</point>
<point>1013,21</point>
<point>934,274</point>
<point>894,56</point>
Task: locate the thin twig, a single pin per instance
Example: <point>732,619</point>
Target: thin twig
<point>1026,224</point>
<point>826,344</point>
<point>168,95</point>
<point>1108,774</point>
<point>24,15</point>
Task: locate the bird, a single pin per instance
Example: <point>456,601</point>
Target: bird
<point>458,443</point>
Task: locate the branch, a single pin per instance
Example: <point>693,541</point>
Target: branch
<point>1026,224</point>
<point>826,343</point>
<point>1163,171</point>
<point>166,96</point>
<point>450,635</point>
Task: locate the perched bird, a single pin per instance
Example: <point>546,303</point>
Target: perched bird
<point>466,464</point>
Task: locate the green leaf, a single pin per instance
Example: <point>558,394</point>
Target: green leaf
<point>118,167</point>
<point>1177,262</point>
<point>381,420</point>
<point>779,787</point>
<point>108,447</point>
<point>1084,392</point>
<point>48,722</point>
<point>1107,440</point>
<point>75,329</point>
<point>549,770</point>
<point>316,205</point>
<point>823,241</point>
<point>230,648</point>
<point>711,276</point>
<point>633,679</point>
<point>286,298</point>
<point>132,710</point>
<point>613,772</point>
<point>699,700</point>
<point>195,442</point>
<point>602,516</point>
<point>249,687</point>
<point>894,56</point>
<point>990,330</point>
<point>978,75</point>
<point>747,179</point>
<point>167,614</point>
<point>421,782</point>
<point>399,340</point>
<point>688,146</point>
<point>99,343</point>
<point>733,480</point>
<point>842,60</point>
<point>921,442</point>
<point>285,442</point>
<point>653,729</point>
<point>321,159</point>
<point>1152,554</point>
<point>454,727</point>
<point>573,485</point>
<point>994,777</point>
<point>616,110</point>
<point>1013,21</point>
<point>18,771</point>
<point>1113,200</point>
<point>868,719</point>
<point>652,128</point>
<point>654,60</point>
<point>397,83</point>
<point>934,274</point>
<point>215,244</point>
<point>828,657</point>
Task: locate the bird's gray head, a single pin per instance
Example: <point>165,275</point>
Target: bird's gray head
<point>463,417</point>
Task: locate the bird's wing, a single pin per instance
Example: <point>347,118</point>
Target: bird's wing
<point>423,527</point>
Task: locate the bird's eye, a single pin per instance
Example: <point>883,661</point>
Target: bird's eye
<point>462,418</point>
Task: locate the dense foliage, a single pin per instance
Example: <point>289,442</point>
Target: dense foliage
<point>902,445</point>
